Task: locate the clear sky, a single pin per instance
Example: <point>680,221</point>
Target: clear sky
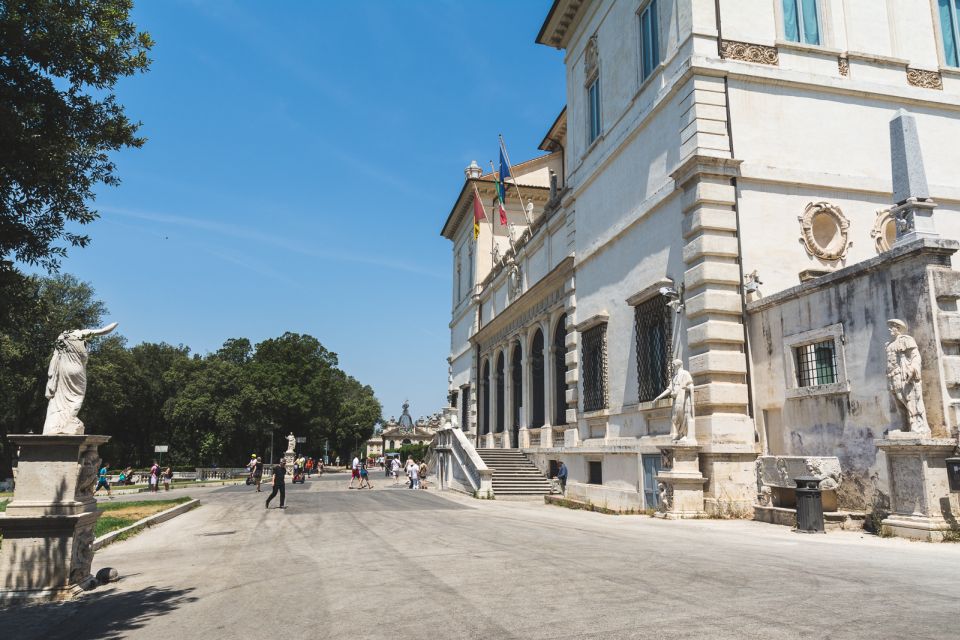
<point>302,158</point>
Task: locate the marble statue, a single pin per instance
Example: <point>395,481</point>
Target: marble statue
<point>903,377</point>
<point>67,380</point>
<point>291,443</point>
<point>681,390</point>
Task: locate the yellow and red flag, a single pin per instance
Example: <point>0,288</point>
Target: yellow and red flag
<point>478,212</point>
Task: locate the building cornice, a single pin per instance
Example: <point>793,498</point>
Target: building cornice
<point>560,22</point>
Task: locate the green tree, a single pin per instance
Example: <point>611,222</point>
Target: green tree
<point>41,307</point>
<point>59,117</point>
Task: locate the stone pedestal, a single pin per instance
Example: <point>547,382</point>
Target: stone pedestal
<point>290,458</point>
<point>682,481</point>
<point>919,487</point>
<point>48,526</point>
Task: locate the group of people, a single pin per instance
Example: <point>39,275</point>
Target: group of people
<point>156,477</point>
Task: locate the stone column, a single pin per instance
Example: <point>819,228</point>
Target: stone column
<point>919,486</point>
<point>48,527</point>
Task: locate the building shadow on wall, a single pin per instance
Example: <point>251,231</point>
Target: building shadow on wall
<point>96,615</point>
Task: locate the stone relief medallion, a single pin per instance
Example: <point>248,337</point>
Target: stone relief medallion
<point>748,52</point>
<point>924,79</point>
<point>825,231</point>
<point>884,232</point>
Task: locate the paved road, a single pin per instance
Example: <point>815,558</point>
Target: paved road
<point>394,563</point>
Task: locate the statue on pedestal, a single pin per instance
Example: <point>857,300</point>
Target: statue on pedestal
<point>681,390</point>
<point>291,443</point>
<point>67,380</point>
<point>903,377</point>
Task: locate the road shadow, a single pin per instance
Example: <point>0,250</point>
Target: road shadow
<point>97,615</point>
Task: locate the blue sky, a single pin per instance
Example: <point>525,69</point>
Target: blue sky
<point>302,157</point>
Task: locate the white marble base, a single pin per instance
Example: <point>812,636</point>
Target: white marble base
<point>683,480</point>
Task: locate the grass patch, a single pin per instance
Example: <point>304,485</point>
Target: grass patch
<point>3,505</point>
<point>117,515</point>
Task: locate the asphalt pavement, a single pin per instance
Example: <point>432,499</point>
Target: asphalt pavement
<point>397,563</point>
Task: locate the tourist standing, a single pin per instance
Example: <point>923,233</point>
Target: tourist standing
<point>423,475</point>
<point>155,477</point>
<point>309,467</point>
<point>562,477</point>
<point>102,482</point>
<point>167,478</point>
<point>279,484</point>
<point>258,472</point>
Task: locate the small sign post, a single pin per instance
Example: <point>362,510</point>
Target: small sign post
<point>161,449</point>
<point>301,440</point>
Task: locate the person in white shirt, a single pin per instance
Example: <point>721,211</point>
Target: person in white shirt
<point>395,470</point>
<point>414,472</point>
<point>355,471</point>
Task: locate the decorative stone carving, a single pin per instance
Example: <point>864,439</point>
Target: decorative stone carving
<point>82,557</point>
<point>924,79</point>
<point>681,416</point>
<point>748,52</point>
<point>291,443</point>
<point>516,282</point>
<point>87,477</point>
<point>824,231</point>
<point>666,497</point>
<point>903,379</point>
<point>782,471</point>
<point>67,380</point>
<point>844,65</point>
<point>884,232</point>
<point>591,59</point>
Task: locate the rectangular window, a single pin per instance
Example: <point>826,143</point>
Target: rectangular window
<point>816,363</point>
<point>649,40</point>
<point>465,408</point>
<point>652,329</point>
<point>801,22</point>
<point>595,368</point>
<point>593,108</point>
<point>594,472</point>
<point>950,30</point>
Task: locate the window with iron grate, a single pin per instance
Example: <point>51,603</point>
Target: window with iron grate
<point>816,363</point>
<point>595,368</point>
<point>653,324</point>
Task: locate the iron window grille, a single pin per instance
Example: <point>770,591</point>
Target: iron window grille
<point>653,324</point>
<point>595,368</point>
<point>816,363</point>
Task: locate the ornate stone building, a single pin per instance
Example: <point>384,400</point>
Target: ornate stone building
<point>717,186</point>
<point>398,432</point>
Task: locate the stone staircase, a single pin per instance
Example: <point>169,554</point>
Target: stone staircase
<point>514,474</point>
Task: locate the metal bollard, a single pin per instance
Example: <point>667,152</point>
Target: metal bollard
<point>809,505</point>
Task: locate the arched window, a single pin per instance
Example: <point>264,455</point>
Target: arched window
<point>537,396</point>
<point>560,371</point>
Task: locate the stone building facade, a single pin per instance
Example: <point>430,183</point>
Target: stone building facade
<point>722,185</point>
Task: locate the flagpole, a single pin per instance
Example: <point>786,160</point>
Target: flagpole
<point>509,234</point>
<point>503,148</point>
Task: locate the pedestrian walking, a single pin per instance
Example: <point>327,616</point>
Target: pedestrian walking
<point>279,484</point>
<point>364,477</point>
<point>395,470</point>
<point>414,472</point>
<point>167,478</point>
<point>423,475</point>
<point>309,467</point>
<point>102,481</point>
<point>258,472</point>
<point>155,477</point>
<point>354,471</point>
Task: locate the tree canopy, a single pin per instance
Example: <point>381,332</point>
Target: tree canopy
<point>59,118</point>
<point>210,409</point>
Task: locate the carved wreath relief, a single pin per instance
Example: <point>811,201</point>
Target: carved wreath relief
<point>824,231</point>
<point>748,52</point>
<point>884,232</point>
<point>924,79</point>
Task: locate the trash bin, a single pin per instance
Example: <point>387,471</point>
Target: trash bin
<point>809,505</point>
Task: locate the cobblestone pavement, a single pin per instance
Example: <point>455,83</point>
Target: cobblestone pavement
<point>395,563</point>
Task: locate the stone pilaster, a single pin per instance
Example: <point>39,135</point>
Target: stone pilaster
<point>716,353</point>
